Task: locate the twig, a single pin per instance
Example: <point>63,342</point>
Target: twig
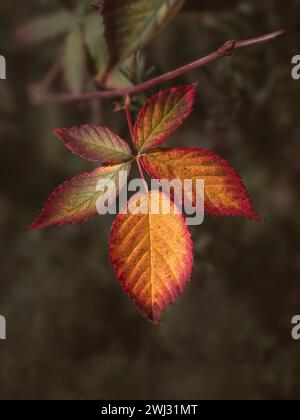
<point>39,90</point>
<point>226,50</point>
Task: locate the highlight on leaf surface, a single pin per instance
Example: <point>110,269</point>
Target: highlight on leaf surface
<point>131,24</point>
<point>225,194</point>
<point>94,143</point>
<point>151,253</point>
<point>162,115</point>
<point>75,200</point>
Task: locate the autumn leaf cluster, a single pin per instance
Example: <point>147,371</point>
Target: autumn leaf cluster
<point>151,253</point>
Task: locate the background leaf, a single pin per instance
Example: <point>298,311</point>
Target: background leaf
<point>162,115</point>
<point>131,24</point>
<point>75,200</point>
<point>118,78</point>
<point>95,42</point>
<point>94,143</point>
<point>46,27</point>
<point>225,194</point>
<point>74,60</point>
<point>98,53</point>
<point>152,255</point>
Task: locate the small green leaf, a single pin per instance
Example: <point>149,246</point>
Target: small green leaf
<point>95,42</point>
<point>46,27</point>
<point>118,78</point>
<point>74,60</point>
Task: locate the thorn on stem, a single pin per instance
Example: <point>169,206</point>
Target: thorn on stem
<point>227,49</point>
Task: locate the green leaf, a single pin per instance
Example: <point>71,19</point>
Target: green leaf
<point>74,60</point>
<point>118,78</point>
<point>46,27</point>
<point>131,24</point>
<point>95,42</point>
<point>97,49</point>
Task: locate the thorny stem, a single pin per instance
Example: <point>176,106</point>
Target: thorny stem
<point>226,49</point>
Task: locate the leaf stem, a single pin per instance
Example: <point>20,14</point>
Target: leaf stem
<point>227,49</point>
<point>128,116</point>
<point>141,169</point>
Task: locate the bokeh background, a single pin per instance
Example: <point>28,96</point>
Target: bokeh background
<point>71,332</point>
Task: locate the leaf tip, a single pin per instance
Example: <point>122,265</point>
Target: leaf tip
<point>33,226</point>
<point>58,132</point>
<point>256,217</point>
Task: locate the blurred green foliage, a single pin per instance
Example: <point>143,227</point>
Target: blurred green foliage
<point>71,332</point>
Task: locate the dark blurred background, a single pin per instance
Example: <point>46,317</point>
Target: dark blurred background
<point>71,332</point>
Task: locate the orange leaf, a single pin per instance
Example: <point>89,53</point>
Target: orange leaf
<point>152,253</point>
<point>162,115</point>
<point>225,194</point>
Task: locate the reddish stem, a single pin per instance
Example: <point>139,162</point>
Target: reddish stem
<point>141,169</point>
<point>128,116</point>
<point>39,90</point>
<point>226,49</point>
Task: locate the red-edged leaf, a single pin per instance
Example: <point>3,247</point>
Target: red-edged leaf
<point>94,143</point>
<point>162,115</point>
<point>225,194</point>
<point>75,200</point>
<point>152,253</point>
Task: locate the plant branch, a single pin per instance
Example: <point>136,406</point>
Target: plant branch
<point>225,50</point>
<point>38,90</point>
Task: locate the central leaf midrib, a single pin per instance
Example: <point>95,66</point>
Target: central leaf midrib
<point>91,198</point>
<point>148,138</point>
<point>97,146</point>
<point>150,253</point>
